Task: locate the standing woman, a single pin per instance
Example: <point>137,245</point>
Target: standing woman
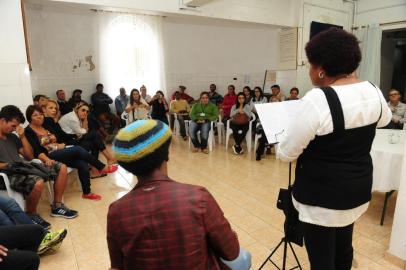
<point>137,108</point>
<point>240,121</point>
<point>159,107</point>
<point>332,144</point>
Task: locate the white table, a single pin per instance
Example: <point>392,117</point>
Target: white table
<point>387,160</point>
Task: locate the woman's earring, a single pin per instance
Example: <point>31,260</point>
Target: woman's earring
<point>321,75</point>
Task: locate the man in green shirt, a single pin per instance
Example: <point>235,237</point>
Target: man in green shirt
<point>201,115</point>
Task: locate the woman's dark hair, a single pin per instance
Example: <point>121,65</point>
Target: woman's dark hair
<point>232,86</point>
<point>335,50</point>
<point>237,103</point>
<point>160,92</point>
<point>204,93</point>
<point>11,112</point>
<point>261,93</point>
<point>38,97</point>
<point>294,89</point>
<point>148,164</point>
<point>30,111</point>
<point>132,100</point>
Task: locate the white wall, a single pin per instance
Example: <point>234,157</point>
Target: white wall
<point>60,40</point>
<point>14,77</point>
<point>275,12</point>
<point>198,51</point>
<point>380,11</point>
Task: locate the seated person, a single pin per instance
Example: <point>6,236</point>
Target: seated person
<point>248,93</point>
<point>19,246</point>
<point>183,95</point>
<point>121,102</point>
<point>215,97</point>
<point>11,214</point>
<point>229,100</point>
<point>294,94</point>
<point>51,152</point>
<point>144,94</point>
<point>62,103</point>
<point>31,186</point>
<point>240,120</point>
<point>77,123</point>
<point>159,107</point>
<point>40,100</point>
<point>181,108</point>
<point>101,108</point>
<point>137,108</point>
<point>183,229</point>
<point>398,110</point>
<point>201,115</point>
<point>75,99</point>
<point>277,93</point>
<point>258,98</point>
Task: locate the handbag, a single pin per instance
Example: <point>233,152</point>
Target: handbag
<point>240,119</point>
<point>32,168</point>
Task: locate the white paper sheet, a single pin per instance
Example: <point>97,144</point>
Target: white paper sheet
<point>276,117</point>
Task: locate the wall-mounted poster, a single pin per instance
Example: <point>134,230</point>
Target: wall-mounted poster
<point>287,49</point>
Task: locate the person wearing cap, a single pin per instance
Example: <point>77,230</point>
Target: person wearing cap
<point>183,95</point>
<point>76,98</point>
<point>161,223</point>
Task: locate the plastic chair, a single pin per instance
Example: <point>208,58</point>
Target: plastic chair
<point>248,136</point>
<point>18,197</point>
<point>210,141</point>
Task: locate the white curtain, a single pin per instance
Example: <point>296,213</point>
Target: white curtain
<point>370,42</point>
<point>131,52</point>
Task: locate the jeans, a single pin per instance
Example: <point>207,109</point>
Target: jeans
<point>239,132</point>
<point>78,158</point>
<point>204,134</point>
<point>242,262</point>
<point>181,120</point>
<point>329,248</point>
<point>92,142</point>
<point>22,242</point>
<point>11,213</point>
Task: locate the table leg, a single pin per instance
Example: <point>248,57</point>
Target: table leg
<point>387,195</point>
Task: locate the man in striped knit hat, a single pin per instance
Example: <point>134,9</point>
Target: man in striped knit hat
<point>163,224</point>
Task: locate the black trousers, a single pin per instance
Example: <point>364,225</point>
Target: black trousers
<point>329,248</point>
<point>239,132</point>
<point>22,242</point>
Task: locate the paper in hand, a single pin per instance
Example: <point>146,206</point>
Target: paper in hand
<point>276,117</point>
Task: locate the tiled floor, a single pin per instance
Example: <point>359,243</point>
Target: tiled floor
<point>245,189</point>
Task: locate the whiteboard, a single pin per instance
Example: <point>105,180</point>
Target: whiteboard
<point>276,118</point>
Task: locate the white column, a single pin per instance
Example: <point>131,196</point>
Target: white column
<point>15,85</point>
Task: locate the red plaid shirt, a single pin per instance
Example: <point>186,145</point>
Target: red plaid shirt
<point>162,224</point>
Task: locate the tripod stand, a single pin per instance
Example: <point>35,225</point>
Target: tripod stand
<point>285,240</point>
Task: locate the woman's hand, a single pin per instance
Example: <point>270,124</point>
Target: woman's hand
<point>49,162</point>
<point>3,252</point>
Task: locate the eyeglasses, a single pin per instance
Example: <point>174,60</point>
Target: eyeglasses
<point>84,110</point>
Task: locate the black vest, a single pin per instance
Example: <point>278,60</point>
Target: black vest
<point>335,170</point>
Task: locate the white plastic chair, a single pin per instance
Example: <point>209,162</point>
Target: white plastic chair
<point>256,139</point>
<point>176,125</point>
<point>248,136</point>
<point>18,197</point>
<point>210,141</point>
<point>220,129</point>
<point>124,116</point>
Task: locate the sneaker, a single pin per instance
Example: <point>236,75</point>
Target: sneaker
<point>205,150</point>
<point>37,219</point>
<point>240,150</point>
<point>73,211</point>
<point>109,169</point>
<point>92,196</point>
<point>63,211</point>
<point>52,241</point>
<point>195,150</point>
<point>235,149</point>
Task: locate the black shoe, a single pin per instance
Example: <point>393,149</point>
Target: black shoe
<point>37,219</point>
<point>258,157</point>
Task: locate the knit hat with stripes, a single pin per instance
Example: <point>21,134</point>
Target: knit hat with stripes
<point>142,146</point>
